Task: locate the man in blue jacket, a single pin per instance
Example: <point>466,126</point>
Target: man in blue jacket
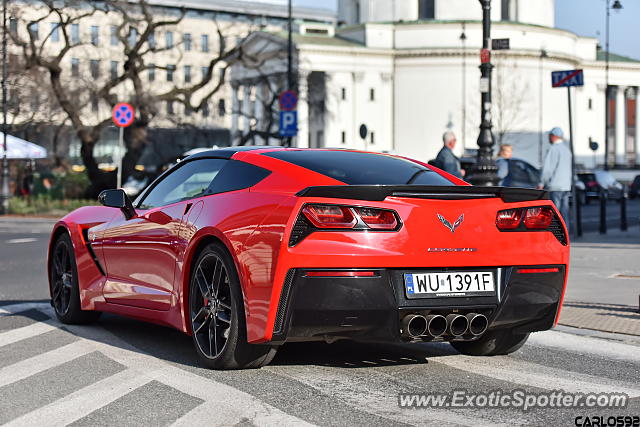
<point>446,160</point>
<point>556,172</point>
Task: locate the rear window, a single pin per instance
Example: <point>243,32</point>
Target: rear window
<point>356,168</point>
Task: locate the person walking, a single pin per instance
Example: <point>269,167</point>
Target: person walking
<point>502,162</point>
<point>446,160</point>
<point>556,172</point>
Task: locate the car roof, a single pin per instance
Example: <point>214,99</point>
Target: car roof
<point>228,152</point>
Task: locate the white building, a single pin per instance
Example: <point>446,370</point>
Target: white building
<point>408,70</point>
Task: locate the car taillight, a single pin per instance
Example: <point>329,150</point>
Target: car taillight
<point>323,217</point>
<point>378,219</point>
<point>330,216</point>
<point>538,218</point>
<point>509,219</point>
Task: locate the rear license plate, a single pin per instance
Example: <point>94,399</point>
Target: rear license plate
<point>449,284</point>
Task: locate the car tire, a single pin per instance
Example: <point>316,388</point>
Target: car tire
<point>492,343</point>
<point>216,314</point>
<point>63,279</point>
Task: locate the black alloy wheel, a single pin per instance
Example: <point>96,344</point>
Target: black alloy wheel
<point>63,279</point>
<point>211,306</point>
<point>217,317</point>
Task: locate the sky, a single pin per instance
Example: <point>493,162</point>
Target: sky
<point>583,17</point>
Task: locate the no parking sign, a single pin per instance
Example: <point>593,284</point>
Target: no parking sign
<point>123,114</point>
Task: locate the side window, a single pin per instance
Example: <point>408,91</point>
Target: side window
<point>189,180</point>
<point>237,175</point>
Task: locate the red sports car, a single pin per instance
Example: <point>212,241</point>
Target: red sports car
<point>248,248</point>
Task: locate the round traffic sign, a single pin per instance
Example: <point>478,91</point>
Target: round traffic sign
<point>123,114</point>
<point>288,100</point>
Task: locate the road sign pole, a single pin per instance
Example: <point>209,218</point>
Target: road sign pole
<point>574,229</point>
<point>120,157</point>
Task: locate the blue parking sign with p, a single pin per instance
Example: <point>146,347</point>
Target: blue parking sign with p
<point>288,123</point>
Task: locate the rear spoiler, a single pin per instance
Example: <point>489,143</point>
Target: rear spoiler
<point>378,193</point>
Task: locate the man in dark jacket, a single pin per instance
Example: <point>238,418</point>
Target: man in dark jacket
<point>446,160</point>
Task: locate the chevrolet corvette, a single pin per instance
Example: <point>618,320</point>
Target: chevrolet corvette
<point>248,248</point>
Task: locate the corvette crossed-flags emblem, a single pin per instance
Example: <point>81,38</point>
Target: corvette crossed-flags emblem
<point>447,224</point>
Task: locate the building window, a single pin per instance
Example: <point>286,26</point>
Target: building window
<point>373,138</point>
<point>114,70</point>
<point>204,43</point>
<point>222,108</point>
<point>169,40</point>
<point>610,129</point>
<point>33,30</point>
<point>187,73</point>
<point>75,33</point>
<point>170,107</point>
<point>133,36</point>
<point>204,71</point>
<point>343,137</point>
<point>170,70</point>
<point>188,110</point>
<point>343,94</point>
<point>372,94</point>
<point>75,67</point>
<point>13,26</point>
<point>205,109</point>
<point>506,10</point>
<point>221,73</point>
<point>95,35</point>
<point>114,35</point>
<point>55,32</point>
<point>152,72</point>
<point>630,109</point>
<point>94,66</point>
<point>426,9</point>
<point>186,39</point>
<point>152,40</point>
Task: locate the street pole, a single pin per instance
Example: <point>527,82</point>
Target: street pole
<point>574,228</point>
<point>5,162</point>
<point>463,39</point>
<point>120,157</point>
<point>617,6</point>
<point>543,54</point>
<point>485,170</point>
<point>606,92</point>
<point>287,141</point>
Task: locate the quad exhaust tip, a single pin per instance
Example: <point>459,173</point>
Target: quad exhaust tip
<point>478,323</point>
<point>435,325</point>
<point>457,324</point>
<point>414,325</point>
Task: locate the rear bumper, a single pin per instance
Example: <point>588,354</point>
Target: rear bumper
<point>370,308</point>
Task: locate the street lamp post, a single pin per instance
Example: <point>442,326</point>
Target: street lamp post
<point>5,162</point>
<point>616,6</point>
<point>463,39</point>
<point>485,170</point>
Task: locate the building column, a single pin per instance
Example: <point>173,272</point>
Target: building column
<point>235,111</point>
<point>620,126</point>
<point>302,140</point>
<point>246,109</point>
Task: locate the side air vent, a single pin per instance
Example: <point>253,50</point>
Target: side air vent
<point>278,325</point>
<point>85,236</point>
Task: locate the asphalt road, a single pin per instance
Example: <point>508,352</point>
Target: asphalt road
<point>123,372</point>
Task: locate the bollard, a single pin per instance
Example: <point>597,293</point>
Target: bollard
<point>603,212</point>
<point>623,209</point>
<point>578,217</point>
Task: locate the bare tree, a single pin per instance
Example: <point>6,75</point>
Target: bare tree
<point>510,96</point>
<point>136,24</point>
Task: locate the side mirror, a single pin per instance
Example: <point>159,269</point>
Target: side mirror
<point>117,199</point>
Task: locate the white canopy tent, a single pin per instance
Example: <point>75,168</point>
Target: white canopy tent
<point>20,149</point>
